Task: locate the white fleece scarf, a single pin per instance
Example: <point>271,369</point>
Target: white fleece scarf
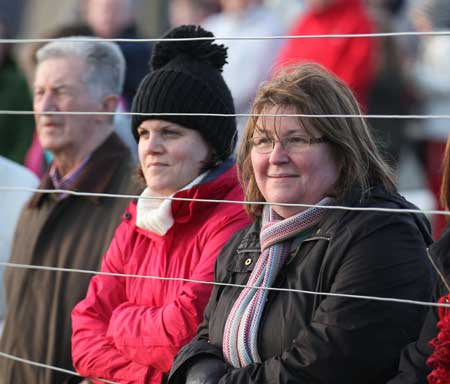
<point>155,215</point>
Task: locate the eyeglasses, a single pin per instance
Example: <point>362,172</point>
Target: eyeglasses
<point>291,144</point>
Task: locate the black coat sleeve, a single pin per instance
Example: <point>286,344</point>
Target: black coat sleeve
<point>413,368</point>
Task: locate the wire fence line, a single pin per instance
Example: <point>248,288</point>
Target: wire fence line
<point>226,38</point>
<point>299,205</point>
<point>47,366</point>
<point>186,280</point>
<point>247,115</point>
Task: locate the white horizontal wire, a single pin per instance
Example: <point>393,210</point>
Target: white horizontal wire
<point>122,196</point>
<point>186,280</point>
<point>363,116</point>
<point>53,368</point>
<point>275,37</point>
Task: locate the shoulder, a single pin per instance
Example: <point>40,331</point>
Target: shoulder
<point>377,215</point>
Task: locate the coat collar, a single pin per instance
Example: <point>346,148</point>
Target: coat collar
<point>96,175</point>
<point>216,185</point>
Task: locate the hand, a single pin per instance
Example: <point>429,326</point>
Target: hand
<point>208,370</point>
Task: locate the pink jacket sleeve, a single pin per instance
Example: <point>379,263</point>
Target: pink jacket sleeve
<point>93,352</point>
<point>153,335</point>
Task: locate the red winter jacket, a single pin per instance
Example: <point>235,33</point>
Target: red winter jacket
<point>351,59</point>
<point>129,329</point>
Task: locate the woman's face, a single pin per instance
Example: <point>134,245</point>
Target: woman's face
<point>302,173</point>
<point>171,156</point>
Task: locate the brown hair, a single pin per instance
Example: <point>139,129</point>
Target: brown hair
<point>445,185</point>
<point>312,90</point>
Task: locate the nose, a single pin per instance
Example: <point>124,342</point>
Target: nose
<point>154,143</point>
<point>278,155</point>
<point>45,103</point>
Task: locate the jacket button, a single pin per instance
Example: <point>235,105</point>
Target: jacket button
<point>127,216</point>
<point>248,261</point>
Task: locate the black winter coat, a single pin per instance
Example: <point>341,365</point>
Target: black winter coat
<point>413,368</point>
<point>307,338</point>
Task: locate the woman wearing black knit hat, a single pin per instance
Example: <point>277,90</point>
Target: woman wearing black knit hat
<point>129,328</point>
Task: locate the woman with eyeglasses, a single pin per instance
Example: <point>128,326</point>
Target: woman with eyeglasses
<point>276,330</point>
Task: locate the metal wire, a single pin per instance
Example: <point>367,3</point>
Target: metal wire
<point>225,38</point>
<point>121,196</point>
<point>185,280</point>
<point>362,116</point>
<point>53,368</point>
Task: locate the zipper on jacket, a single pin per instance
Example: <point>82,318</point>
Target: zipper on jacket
<point>441,275</point>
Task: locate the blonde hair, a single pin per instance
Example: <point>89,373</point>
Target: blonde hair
<point>312,90</point>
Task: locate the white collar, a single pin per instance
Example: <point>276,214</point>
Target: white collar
<point>155,215</point>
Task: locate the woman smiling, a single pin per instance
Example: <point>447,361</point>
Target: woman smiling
<point>257,335</point>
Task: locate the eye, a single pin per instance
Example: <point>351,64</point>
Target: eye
<point>38,92</point>
<point>170,133</point>
<point>261,141</point>
<point>142,133</point>
<point>295,140</point>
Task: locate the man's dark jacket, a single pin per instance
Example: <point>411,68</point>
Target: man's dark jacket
<point>70,233</point>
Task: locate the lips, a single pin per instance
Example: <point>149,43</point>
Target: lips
<point>157,165</point>
<point>282,176</point>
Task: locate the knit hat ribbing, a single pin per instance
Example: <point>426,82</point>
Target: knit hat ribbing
<point>186,78</point>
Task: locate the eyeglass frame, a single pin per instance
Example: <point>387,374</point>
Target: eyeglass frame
<point>308,141</point>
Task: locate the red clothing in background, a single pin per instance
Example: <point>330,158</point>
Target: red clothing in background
<point>351,58</point>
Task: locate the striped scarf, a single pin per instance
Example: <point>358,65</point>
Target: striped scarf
<point>241,329</point>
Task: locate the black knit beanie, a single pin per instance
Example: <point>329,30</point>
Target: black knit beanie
<point>186,78</point>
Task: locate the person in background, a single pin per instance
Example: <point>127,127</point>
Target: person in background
<point>351,59</point>
<point>432,80</point>
<point>250,61</point>
<point>36,159</point>
<point>59,229</point>
<point>128,329</point>
<point>11,203</point>
<point>427,359</point>
<point>111,19</point>
<point>16,131</point>
<point>183,12</point>
<point>390,93</point>
<point>256,335</point>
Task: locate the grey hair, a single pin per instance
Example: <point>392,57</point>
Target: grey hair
<point>104,60</point>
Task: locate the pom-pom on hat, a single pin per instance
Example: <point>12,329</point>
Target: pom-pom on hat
<point>186,78</point>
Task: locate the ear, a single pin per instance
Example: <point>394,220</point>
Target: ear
<point>108,104</point>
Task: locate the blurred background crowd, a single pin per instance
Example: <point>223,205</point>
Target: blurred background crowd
<point>389,75</point>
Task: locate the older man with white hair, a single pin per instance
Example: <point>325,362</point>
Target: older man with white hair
<point>60,229</point>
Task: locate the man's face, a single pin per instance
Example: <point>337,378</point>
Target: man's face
<point>60,86</point>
